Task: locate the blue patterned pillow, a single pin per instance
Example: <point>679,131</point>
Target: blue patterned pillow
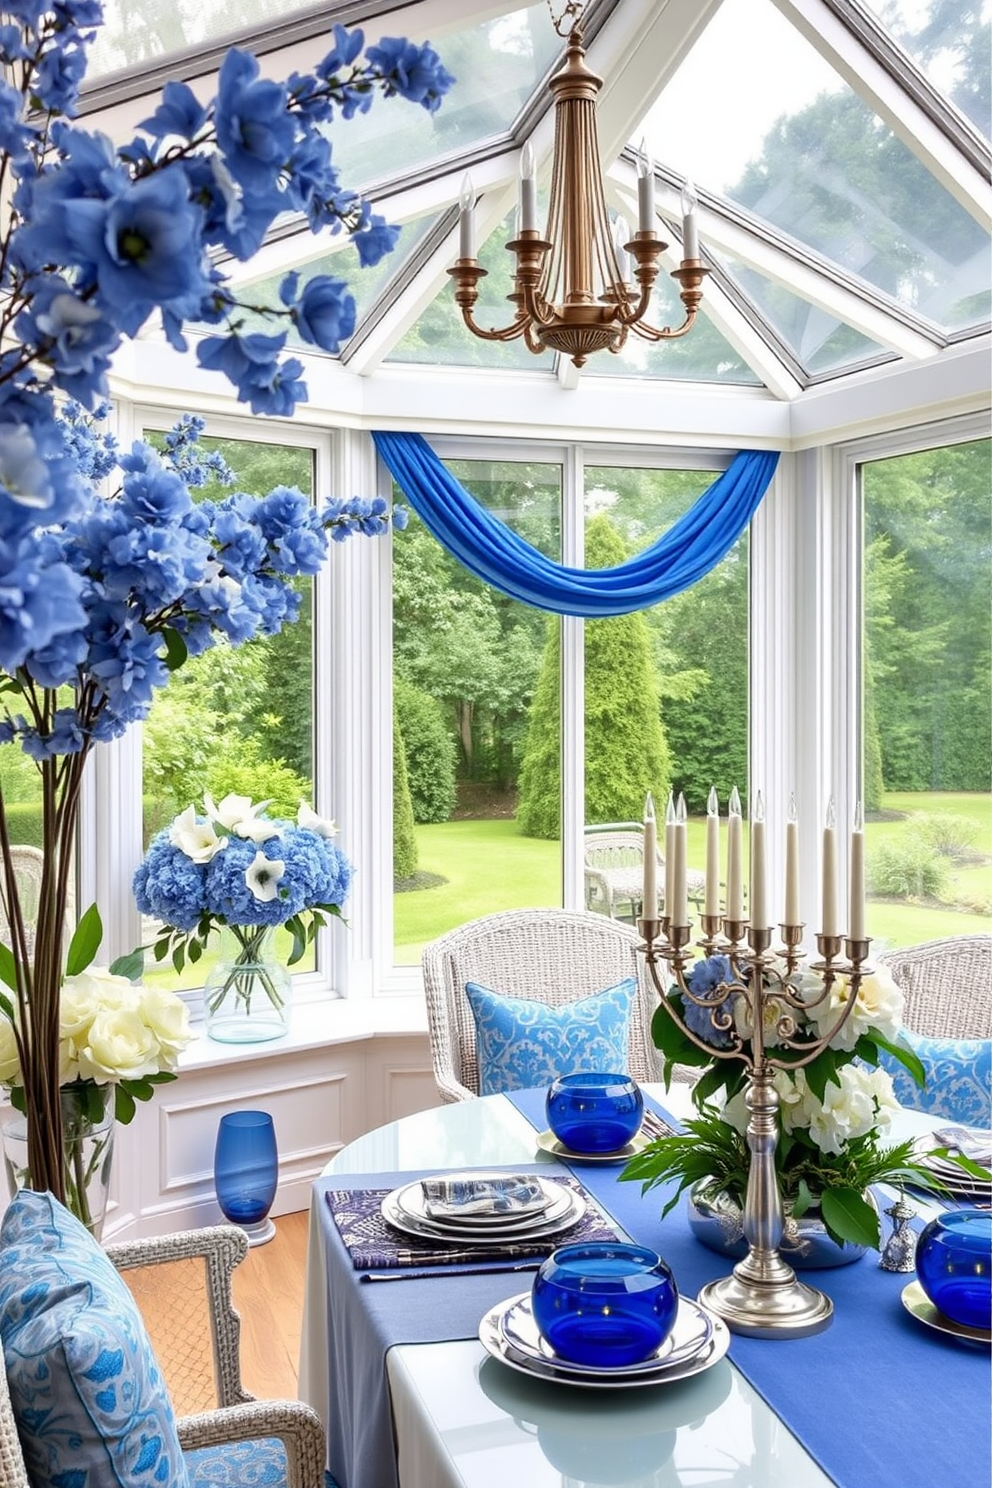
<point>959,1079</point>
<point>521,1043</point>
<point>90,1402</point>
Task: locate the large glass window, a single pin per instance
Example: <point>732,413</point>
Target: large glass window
<point>237,718</point>
<point>665,688</point>
<point>476,682</point>
<point>928,693</point>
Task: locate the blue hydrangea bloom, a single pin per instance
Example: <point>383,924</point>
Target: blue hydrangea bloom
<point>705,977</point>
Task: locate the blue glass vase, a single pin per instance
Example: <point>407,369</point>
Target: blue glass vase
<point>605,1304</point>
<point>246,1172</point>
<point>954,1266</point>
<point>594,1112</point>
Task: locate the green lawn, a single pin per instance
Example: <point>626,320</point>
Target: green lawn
<point>489,866</point>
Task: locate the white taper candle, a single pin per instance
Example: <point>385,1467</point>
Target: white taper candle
<point>856,917</point>
<point>712,901</point>
<point>680,902</point>
<point>828,884</point>
<point>759,904</point>
<point>792,909</point>
<point>735,880</point>
<point>649,901</point>
<point>466,222</point>
<point>669,854</point>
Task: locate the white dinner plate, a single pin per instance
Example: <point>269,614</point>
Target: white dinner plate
<point>691,1332</point>
<point>494,1342</point>
<point>568,1210</point>
<point>548,1142</point>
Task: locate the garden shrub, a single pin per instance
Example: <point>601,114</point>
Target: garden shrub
<point>246,774</point>
<point>430,752</point>
<point>906,870</point>
<point>404,836</point>
<point>946,832</point>
<point>24,822</point>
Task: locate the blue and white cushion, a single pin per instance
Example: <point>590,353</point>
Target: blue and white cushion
<point>250,1464</point>
<point>959,1078</point>
<point>521,1043</point>
<point>89,1399</point>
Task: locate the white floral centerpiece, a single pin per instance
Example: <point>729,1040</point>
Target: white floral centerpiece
<point>835,1112</point>
<point>117,1042</point>
<point>231,867</point>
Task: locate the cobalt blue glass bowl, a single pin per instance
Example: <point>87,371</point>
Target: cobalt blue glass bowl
<point>604,1304</point>
<point>594,1112</point>
<point>954,1266</point>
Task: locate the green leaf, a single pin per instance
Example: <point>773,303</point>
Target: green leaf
<point>672,1042</point>
<point>803,1199</point>
<point>93,1101</point>
<point>713,1080</point>
<point>141,1089</point>
<point>194,951</point>
<point>131,966</point>
<point>124,1107</point>
<point>176,650</point>
<point>820,1070</point>
<point>8,967</point>
<point>178,957</point>
<point>906,1056</point>
<point>85,942</point>
<point>849,1217</point>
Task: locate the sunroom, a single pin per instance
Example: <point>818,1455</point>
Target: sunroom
<point>836,658</point>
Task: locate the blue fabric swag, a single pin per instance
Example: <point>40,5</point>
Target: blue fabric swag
<point>490,550</point>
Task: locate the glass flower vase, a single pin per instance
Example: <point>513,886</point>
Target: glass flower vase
<point>88,1126</point>
<point>246,997</point>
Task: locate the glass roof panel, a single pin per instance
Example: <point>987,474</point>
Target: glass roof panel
<point>137,31</point>
<point>951,44</point>
<point>365,284</point>
<point>819,341</point>
<point>786,138</point>
<point>441,337</point>
<point>497,66</point>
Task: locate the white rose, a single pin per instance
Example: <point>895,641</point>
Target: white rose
<point>198,840</point>
<point>168,1018</point>
<point>878,1005</point>
<point>9,1067</point>
<point>121,1046</point>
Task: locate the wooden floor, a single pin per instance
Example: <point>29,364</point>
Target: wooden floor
<point>268,1293</point>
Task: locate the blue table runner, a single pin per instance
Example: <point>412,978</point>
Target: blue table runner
<point>879,1400</point>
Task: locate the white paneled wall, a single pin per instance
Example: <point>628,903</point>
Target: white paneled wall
<point>320,1098</point>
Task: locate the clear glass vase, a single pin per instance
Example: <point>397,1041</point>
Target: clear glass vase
<point>246,996</point>
<point>88,1127</point>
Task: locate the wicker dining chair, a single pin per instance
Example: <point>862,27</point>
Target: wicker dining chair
<point>549,955</point>
<point>253,1441</point>
<point>947,986</point>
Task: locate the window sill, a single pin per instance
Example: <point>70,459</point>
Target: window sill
<point>313,1025</point>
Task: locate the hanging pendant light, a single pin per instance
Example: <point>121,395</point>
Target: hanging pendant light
<point>572,289</point>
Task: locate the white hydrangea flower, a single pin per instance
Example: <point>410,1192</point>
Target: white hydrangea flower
<point>848,1110</point>
<point>198,840</point>
<point>262,876</point>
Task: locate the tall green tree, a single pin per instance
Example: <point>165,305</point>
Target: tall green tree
<point>404,836</point>
<point>625,748</point>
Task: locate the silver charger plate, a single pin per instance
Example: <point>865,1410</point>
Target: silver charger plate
<point>691,1332</point>
<point>568,1208</point>
<point>548,1142</point>
<point>494,1342</point>
<point>919,1306</point>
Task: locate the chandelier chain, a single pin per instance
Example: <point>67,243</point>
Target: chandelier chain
<point>569,18</point>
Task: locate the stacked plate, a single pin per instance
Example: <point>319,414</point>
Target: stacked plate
<point>555,1207</point>
<point>697,1341</point>
<point>954,1181</point>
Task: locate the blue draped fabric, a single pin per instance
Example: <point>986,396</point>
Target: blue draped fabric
<point>490,550</point>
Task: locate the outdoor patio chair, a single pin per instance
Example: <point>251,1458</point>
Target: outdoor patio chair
<point>555,956</point>
<point>232,1437</point>
<point>947,986</point>
<point>614,871</point>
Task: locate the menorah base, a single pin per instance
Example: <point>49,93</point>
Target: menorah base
<point>781,1309</point>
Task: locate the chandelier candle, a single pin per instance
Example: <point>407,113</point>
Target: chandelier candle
<point>690,232</point>
<point>680,902</point>
<point>856,917</point>
<point>759,912</point>
<point>669,854</point>
<point>735,878</point>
